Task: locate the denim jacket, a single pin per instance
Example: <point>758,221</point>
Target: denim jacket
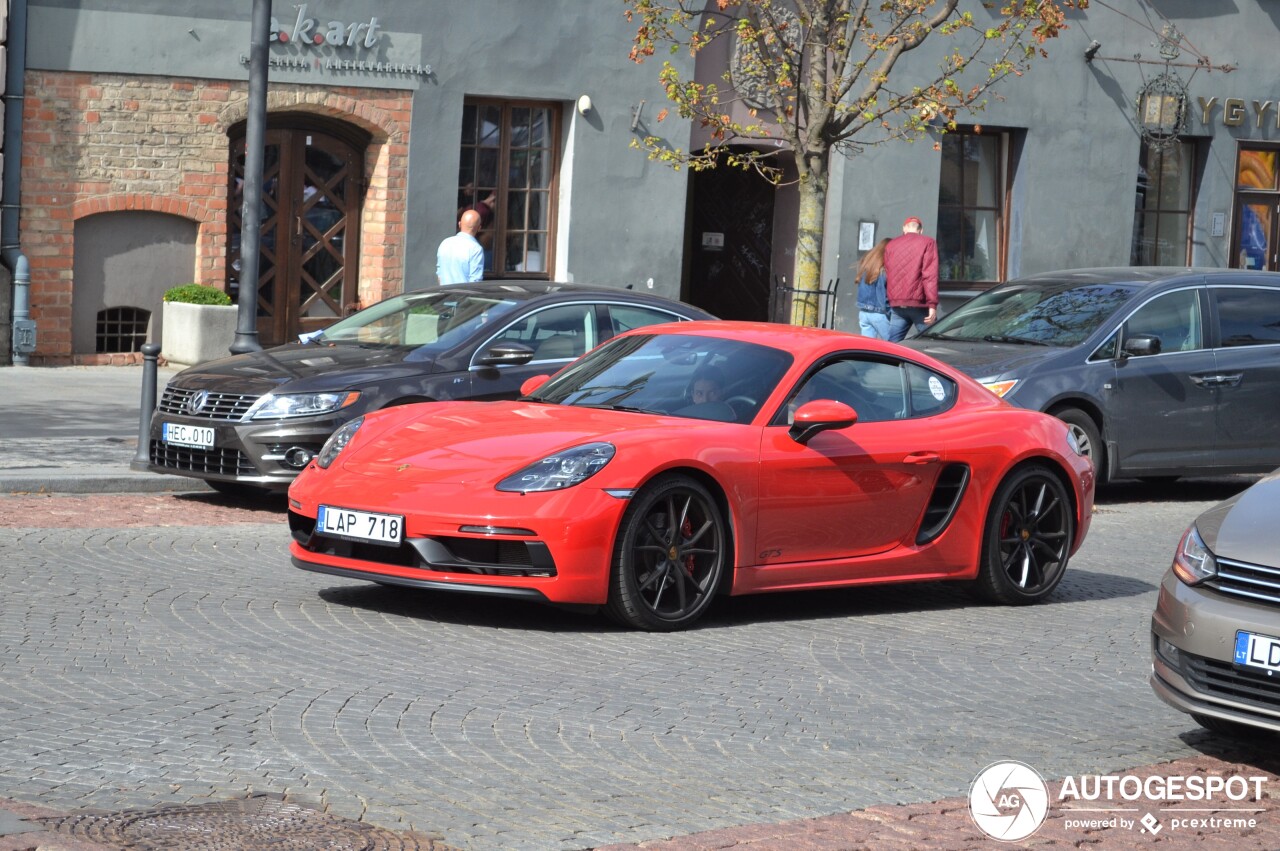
<point>871,296</point>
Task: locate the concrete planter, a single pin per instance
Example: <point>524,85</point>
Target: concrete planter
<point>195,333</point>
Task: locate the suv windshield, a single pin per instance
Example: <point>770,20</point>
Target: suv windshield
<point>436,319</point>
<point>1041,313</point>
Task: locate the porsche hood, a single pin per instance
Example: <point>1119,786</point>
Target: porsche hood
<point>468,442</point>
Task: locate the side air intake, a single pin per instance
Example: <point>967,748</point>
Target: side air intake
<point>946,496</point>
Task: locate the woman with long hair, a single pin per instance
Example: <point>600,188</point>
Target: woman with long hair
<point>873,303</point>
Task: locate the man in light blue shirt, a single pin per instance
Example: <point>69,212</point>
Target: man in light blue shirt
<point>460,258</point>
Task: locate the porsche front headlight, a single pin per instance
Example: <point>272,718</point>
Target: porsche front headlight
<point>273,407</point>
<point>561,470</point>
<point>337,442</point>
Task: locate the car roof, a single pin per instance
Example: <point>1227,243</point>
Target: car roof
<point>1144,276</point>
<point>793,338</point>
<point>521,290</point>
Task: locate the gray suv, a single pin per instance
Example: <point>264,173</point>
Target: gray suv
<point>1159,372</point>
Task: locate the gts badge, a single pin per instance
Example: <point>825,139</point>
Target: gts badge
<point>768,554</point>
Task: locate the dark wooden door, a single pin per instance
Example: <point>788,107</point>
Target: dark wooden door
<point>309,252</point>
<point>732,243</point>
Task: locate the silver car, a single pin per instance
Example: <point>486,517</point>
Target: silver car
<point>1216,628</point>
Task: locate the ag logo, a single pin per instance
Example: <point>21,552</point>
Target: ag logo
<point>1008,801</point>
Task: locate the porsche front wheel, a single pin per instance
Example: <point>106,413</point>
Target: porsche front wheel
<point>670,556</point>
<point>1027,539</point>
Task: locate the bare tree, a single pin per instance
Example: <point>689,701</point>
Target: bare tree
<point>824,76</point>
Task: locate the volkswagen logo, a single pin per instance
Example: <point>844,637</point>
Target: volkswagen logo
<point>195,404</point>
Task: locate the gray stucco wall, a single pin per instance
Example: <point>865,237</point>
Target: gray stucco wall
<point>621,217</point>
<point>1073,191</point>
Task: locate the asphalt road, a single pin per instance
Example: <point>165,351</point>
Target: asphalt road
<point>161,649</point>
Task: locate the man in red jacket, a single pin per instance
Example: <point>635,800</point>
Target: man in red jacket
<point>911,271</point>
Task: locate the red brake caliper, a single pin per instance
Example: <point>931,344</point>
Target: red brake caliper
<point>686,530</point>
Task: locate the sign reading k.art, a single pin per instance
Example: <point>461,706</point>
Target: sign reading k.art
<point>313,32</point>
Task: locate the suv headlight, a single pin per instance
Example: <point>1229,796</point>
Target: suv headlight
<point>1193,563</point>
<point>273,407</point>
<point>561,470</point>
<point>1000,388</point>
<point>337,442</point>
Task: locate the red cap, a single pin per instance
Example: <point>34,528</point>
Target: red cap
<point>913,221</point>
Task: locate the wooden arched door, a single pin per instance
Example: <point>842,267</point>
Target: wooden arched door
<point>310,245</point>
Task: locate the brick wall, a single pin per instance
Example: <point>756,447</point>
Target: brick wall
<point>94,143</point>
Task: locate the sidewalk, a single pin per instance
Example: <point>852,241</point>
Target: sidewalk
<point>74,429</point>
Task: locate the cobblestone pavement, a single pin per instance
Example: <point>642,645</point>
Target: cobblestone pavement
<point>161,649</point>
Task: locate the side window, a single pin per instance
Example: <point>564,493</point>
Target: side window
<point>557,333</point>
<point>876,390</point>
<point>1247,316</point>
<point>1174,318</point>
<point>624,317</point>
<point>931,393</point>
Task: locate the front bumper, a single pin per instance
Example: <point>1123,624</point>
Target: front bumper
<point>1202,678</point>
<point>263,453</point>
<point>555,547</point>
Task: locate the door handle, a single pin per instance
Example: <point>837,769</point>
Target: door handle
<point>1231,380</point>
<point>921,458</point>
<point>1209,380</point>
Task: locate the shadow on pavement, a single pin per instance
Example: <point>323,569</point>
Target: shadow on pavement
<point>1179,490</point>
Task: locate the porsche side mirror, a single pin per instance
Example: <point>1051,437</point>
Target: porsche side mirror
<point>818,416</point>
<point>506,353</point>
<point>532,384</point>
<point>1141,345</point>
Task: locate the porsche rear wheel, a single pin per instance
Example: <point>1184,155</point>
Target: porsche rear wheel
<point>670,556</point>
<point>1027,539</point>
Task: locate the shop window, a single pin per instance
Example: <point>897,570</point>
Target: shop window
<point>1164,201</point>
<point>507,173</point>
<point>122,329</point>
<point>1255,225</point>
<point>971,203</point>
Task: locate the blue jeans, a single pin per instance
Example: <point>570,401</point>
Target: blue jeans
<point>902,318</point>
<point>873,324</point>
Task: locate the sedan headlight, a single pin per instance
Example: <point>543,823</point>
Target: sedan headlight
<point>561,470</point>
<point>1000,388</point>
<point>272,407</point>
<point>337,442</point>
<point>1193,563</point>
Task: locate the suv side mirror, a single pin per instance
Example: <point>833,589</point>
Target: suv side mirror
<point>505,353</point>
<point>1141,345</point>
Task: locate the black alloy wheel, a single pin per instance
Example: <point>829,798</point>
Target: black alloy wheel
<point>1027,539</point>
<point>670,556</point>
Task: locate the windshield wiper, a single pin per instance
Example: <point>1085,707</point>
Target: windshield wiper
<point>629,408</point>
<point>1005,338</point>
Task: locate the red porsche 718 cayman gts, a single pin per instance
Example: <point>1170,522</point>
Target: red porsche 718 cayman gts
<point>678,462</point>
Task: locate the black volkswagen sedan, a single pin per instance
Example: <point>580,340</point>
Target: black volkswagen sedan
<point>1160,372</point>
<point>251,422</point>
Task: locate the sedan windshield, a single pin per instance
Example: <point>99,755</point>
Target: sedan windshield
<point>684,375</point>
<point>437,319</point>
<point>1038,314</point>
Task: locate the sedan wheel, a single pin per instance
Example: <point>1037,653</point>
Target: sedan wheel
<point>669,558</point>
<point>1028,537</point>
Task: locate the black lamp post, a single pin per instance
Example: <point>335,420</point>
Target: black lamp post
<point>246,339</point>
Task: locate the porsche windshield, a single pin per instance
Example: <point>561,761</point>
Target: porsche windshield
<point>437,319</point>
<point>1042,313</point>
<point>684,375</point>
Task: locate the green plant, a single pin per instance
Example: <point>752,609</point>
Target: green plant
<point>196,294</point>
